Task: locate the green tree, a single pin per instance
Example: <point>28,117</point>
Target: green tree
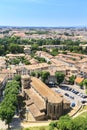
<point>38,73</point>
<point>27,62</point>
<point>11,90</point>
<point>80,123</point>
<point>60,77</point>
<point>65,123</point>
<point>34,46</point>
<point>7,113</point>
<point>64,52</point>
<point>81,84</point>
<point>40,59</point>
<point>72,79</point>
<point>54,52</point>
<point>44,75</point>
<point>15,61</point>
<point>2,50</point>
<point>52,125</point>
<point>44,49</point>
<point>85,83</point>
<point>18,79</point>
<point>10,102</point>
<point>15,48</point>
<point>33,74</point>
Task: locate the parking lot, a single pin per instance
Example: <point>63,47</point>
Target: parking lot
<point>76,96</point>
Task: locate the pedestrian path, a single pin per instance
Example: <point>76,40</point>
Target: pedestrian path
<point>35,124</point>
<point>2,125</point>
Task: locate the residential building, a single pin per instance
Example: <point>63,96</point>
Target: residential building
<point>9,72</point>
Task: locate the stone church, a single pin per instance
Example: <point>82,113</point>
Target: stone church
<point>42,102</point>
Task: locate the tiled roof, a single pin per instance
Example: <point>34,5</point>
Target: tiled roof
<point>35,98</point>
<point>35,111</point>
<point>79,80</point>
<point>45,91</point>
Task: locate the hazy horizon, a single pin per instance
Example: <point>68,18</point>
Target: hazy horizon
<point>14,26</point>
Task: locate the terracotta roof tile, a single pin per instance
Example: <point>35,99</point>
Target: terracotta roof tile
<point>79,80</point>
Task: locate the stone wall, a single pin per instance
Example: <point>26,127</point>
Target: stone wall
<point>54,111</point>
<point>25,81</point>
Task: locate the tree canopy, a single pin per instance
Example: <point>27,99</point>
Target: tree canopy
<point>60,77</point>
<point>67,123</point>
<point>8,105</point>
<point>72,79</point>
<point>44,75</point>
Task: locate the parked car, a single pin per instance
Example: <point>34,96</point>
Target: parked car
<point>57,91</point>
<point>76,92</point>
<point>80,94</point>
<point>84,96</point>
<point>66,94</point>
<point>83,101</point>
<point>71,97</point>
<point>72,90</point>
<point>72,104</point>
<point>69,89</point>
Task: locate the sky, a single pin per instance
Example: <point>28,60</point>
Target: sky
<point>46,13</point>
